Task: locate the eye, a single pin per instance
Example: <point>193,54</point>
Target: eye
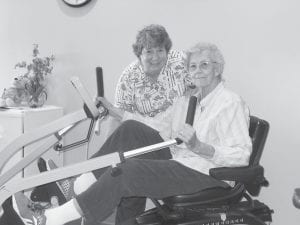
<point>147,52</point>
<point>192,67</point>
<point>204,65</point>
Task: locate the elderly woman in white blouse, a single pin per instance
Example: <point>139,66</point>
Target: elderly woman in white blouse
<point>219,137</point>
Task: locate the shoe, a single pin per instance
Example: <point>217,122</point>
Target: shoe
<point>66,186</point>
<point>28,211</point>
<point>60,191</point>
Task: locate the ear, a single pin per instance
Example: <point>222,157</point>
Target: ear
<point>140,61</point>
<point>217,69</point>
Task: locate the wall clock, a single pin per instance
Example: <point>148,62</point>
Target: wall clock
<point>76,3</point>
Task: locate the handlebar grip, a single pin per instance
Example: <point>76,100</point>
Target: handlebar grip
<point>191,110</point>
<point>189,115</point>
<point>100,86</point>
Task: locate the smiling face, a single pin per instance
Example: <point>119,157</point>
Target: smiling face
<point>153,59</point>
<point>204,71</point>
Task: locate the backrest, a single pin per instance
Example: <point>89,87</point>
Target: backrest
<point>258,131</point>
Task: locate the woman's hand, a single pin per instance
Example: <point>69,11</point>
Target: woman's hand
<point>113,111</point>
<point>188,135</point>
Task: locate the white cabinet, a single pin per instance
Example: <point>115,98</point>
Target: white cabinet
<point>14,122</point>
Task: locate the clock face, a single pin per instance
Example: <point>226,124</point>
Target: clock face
<point>76,3</point>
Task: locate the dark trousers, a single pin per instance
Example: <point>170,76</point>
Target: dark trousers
<point>141,177</point>
<point>10,217</point>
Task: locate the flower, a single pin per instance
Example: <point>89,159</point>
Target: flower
<point>30,87</point>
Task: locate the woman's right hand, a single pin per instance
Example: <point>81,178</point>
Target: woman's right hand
<point>113,111</point>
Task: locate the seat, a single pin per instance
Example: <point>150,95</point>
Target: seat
<point>296,198</point>
<point>218,205</point>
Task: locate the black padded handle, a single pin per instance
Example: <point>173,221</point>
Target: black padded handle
<point>190,114</point>
<point>100,86</point>
<point>191,110</point>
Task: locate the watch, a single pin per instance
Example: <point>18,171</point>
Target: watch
<point>76,3</point>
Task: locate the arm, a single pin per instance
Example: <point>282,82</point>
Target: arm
<point>233,131</point>
<point>123,97</point>
<point>188,135</point>
<point>115,112</point>
<point>234,145</point>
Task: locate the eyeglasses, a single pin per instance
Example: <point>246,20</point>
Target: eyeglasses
<point>204,65</point>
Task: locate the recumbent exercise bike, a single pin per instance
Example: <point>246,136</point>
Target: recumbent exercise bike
<point>214,206</point>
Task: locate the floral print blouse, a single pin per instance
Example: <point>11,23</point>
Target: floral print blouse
<point>136,93</point>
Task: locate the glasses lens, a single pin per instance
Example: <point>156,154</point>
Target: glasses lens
<point>205,65</point>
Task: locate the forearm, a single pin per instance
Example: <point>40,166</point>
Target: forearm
<point>117,113</point>
<point>203,149</point>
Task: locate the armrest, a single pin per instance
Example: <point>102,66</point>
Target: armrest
<point>245,174</point>
<point>251,176</point>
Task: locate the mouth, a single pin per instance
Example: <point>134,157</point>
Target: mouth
<point>156,64</point>
<point>199,77</point>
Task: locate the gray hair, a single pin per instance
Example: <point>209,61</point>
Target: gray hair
<point>213,50</point>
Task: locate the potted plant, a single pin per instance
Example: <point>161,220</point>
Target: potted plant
<point>29,88</point>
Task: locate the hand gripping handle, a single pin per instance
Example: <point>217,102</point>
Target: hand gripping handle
<point>190,114</point>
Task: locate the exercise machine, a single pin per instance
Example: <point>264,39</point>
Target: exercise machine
<point>208,207</point>
<point>52,135</point>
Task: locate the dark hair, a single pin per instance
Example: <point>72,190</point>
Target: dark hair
<point>153,35</point>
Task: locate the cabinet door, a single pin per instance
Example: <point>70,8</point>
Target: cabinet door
<point>12,127</point>
<point>36,118</point>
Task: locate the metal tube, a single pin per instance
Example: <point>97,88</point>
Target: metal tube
<point>13,186</point>
<point>150,148</point>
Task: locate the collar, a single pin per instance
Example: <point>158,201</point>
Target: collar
<point>208,98</point>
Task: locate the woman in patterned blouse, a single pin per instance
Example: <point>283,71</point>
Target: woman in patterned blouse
<point>150,85</point>
<point>146,89</point>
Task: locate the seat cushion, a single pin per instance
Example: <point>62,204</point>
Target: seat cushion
<point>209,196</point>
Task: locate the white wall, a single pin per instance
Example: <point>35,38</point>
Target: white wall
<point>260,41</point>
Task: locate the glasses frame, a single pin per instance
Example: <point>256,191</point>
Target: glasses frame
<point>202,68</point>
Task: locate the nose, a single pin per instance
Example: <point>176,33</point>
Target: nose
<point>197,70</point>
<point>155,55</point>
<point>196,75</point>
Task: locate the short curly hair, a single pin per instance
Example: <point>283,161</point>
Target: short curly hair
<point>215,53</point>
<point>153,35</point>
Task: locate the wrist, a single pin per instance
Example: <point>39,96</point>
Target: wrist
<point>204,149</point>
<point>116,112</point>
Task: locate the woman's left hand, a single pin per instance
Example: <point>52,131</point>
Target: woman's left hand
<point>114,111</point>
<point>188,135</point>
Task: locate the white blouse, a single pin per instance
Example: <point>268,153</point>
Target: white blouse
<point>222,121</point>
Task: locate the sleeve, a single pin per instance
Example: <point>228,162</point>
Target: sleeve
<point>188,81</point>
<point>178,65</point>
<point>124,95</point>
<point>233,131</point>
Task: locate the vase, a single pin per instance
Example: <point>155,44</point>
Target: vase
<point>37,100</point>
